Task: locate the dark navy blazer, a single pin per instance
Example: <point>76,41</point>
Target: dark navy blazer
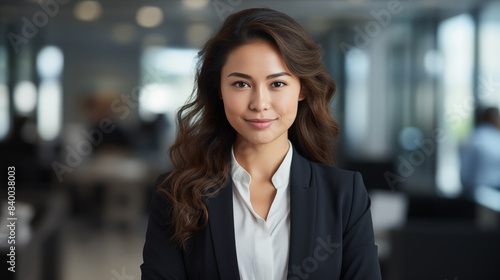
<point>331,231</point>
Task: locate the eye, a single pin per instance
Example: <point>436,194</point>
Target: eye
<point>240,84</point>
<point>278,84</point>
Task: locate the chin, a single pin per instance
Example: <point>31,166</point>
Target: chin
<point>260,140</point>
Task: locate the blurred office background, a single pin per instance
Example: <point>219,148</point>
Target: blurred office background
<point>89,90</point>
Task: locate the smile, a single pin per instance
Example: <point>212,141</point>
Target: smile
<point>261,123</point>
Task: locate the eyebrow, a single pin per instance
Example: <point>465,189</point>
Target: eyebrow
<point>245,76</point>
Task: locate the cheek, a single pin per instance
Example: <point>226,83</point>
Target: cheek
<point>288,114</point>
<point>287,105</point>
<point>232,105</point>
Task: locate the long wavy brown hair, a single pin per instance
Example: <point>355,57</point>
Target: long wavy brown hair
<point>201,153</point>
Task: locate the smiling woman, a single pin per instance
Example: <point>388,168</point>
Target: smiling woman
<point>253,194</point>
<point>259,93</point>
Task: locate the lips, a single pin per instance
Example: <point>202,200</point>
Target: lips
<point>261,123</point>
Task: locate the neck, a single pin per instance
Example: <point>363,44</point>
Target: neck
<point>261,161</point>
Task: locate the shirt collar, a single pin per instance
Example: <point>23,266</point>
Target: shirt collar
<point>280,179</point>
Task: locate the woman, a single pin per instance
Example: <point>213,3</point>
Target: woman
<point>252,195</point>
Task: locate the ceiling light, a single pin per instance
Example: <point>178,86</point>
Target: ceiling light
<point>195,4</point>
<point>149,16</point>
<point>88,10</point>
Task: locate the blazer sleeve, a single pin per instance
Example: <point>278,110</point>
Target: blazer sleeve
<point>360,254</point>
<point>161,260</point>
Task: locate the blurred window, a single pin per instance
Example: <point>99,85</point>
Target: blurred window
<point>367,124</point>
<point>49,109</point>
<point>50,62</point>
<point>357,102</point>
<point>4,95</point>
<point>168,79</point>
<point>24,97</point>
<point>456,43</point>
<point>488,92</point>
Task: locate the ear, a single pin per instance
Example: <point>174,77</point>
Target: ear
<point>220,95</point>
<point>302,94</point>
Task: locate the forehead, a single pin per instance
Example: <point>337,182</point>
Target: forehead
<point>257,58</point>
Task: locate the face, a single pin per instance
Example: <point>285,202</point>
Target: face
<point>259,93</point>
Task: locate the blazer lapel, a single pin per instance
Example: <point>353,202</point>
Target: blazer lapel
<point>302,211</point>
<point>221,220</point>
<point>302,222</point>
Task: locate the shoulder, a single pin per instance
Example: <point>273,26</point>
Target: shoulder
<point>328,172</point>
<point>338,191</point>
<point>326,178</point>
<point>337,181</point>
<point>305,166</point>
<point>323,175</point>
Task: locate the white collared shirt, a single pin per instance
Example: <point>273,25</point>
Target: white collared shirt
<point>262,246</point>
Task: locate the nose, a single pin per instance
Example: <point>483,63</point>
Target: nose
<point>261,99</point>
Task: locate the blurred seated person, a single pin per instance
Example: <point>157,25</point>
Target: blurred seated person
<point>480,155</point>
